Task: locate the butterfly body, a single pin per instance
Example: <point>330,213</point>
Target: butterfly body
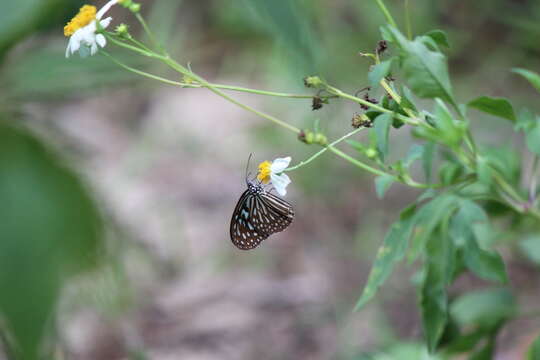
<point>257,215</point>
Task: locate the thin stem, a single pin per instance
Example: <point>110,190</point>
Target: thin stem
<point>357,162</point>
<point>323,150</point>
<point>150,34</point>
<point>408,20</point>
<point>198,86</point>
<point>405,119</point>
<point>532,184</point>
<point>140,72</point>
<point>173,64</point>
<point>386,13</point>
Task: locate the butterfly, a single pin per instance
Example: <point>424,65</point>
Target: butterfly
<point>257,215</point>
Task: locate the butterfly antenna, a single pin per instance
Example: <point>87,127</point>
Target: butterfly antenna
<point>247,166</point>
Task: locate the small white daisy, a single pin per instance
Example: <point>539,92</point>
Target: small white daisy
<point>273,172</point>
<point>82,30</point>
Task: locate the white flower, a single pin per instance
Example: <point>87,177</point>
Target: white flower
<point>273,172</point>
<point>82,30</point>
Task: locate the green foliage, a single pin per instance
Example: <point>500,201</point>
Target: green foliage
<point>495,106</point>
<point>50,230</point>
<point>425,69</point>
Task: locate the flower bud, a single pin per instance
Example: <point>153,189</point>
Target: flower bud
<point>313,81</point>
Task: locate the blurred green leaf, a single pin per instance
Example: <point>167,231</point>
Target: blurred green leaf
<point>50,229</point>
<point>439,266</point>
<point>427,159</point>
<point>500,107</point>
<point>534,350</point>
<point>416,152</point>
<point>392,250</point>
<point>378,72</point>
<point>530,247</point>
<point>439,37</point>
<point>483,307</point>
<point>288,21</point>
<point>426,71</point>
<point>428,218</point>
<point>45,73</point>
<point>382,184</point>
<point>449,172</point>
<point>532,138</point>
<point>531,76</point>
<point>19,18</point>
<point>487,265</point>
<point>461,224</point>
<point>382,128</point>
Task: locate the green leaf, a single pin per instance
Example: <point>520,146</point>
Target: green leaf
<point>439,37</point>
<point>50,229</point>
<point>415,152</point>
<point>500,107</point>
<point>379,71</point>
<point>427,159</point>
<point>487,265</point>
<point>393,249</point>
<point>530,247</point>
<point>532,138</point>
<point>382,184</point>
<point>382,128</point>
<point>425,70</point>
<point>483,307</point>
<point>485,172</point>
<point>449,172</point>
<point>531,76</point>
<point>534,350</point>
<point>428,218</point>
<point>461,224</point>
<point>440,260</point>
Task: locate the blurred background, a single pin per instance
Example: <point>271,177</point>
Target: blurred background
<point>162,168</point>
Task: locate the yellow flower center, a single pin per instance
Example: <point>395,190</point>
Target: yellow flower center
<point>86,15</point>
<point>264,172</point>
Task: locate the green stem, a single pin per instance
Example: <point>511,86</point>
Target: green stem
<point>386,13</point>
<point>173,64</point>
<point>532,183</point>
<point>150,34</point>
<point>323,150</point>
<point>405,119</point>
<point>198,86</point>
<point>358,163</point>
<point>408,20</point>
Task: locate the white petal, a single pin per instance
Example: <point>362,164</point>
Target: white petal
<point>280,183</point>
<point>67,50</point>
<point>280,164</point>
<point>101,41</point>
<point>105,8</point>
<point>93,49</point>
<point>105,22</point>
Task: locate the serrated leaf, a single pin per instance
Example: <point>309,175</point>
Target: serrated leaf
<point>382,184</point>
<point>531,76</point>
<point>500,107</point>
<point>379,71</point>
<point>439,266</point>
<point>483,307</point>
<point>393,249</point>
<point>382,128</point>
<point>439,37</point>
<point>426,70</point>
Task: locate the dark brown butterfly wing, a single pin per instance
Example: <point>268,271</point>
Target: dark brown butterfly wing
<point>244,234</point>
<point>256,216</point>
